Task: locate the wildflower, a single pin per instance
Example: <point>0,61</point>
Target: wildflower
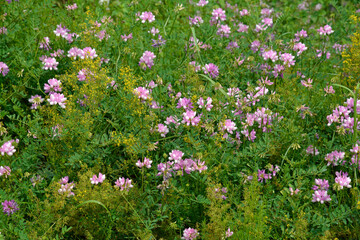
<point>229,126</point>
<point>300,47</point>
<point>266,11</point>
<point>255,45</point>
<point>218,14</point>
<point>162,129</point>
<point>312,151</point>
<point>176,155</point>
<point>52,86</point>
<point>5,170</point>
<point>335,158</point>
<point>329,90</point>
<point>307,83</point>
<point>71,7</point>
<point>189,117</point>
<point>223,31</point>
<point>123,184</point>
<point>267,21</point>
<point>242,27</point>
<point>50,63</point>
<point>190,234</point>
<point>57,98</point>
<point>321,184</point>
<point>271,54</point>
<point>64,180</point>
<point>185,103</point>
<point>321,196</point>
<point>228,233</point>
<point>66,188</point>
<point>147,16</point>
<point>300,34</point>
<point>75,52</point>
<point>35,100</point>
<point>142,93</point>
<point>263,176</point>
<point>202,3</point>
<point>342,180</point>
<point>102,35</point>
<point>244,12</point>
<point>125,38</point>
<point>147,60</point>
<point>88,52</point>
<point>292,192</point>
<point>200,166</point>
<point>61,31</point>
<point>197,20</point>
<point>8,148</point>
<point>82,75</point>
<point>10,207</point>
<point>326,30</point>
<point>154,31</point>
<point>288,59</point>
<point>4,69</point>
<point>45,44</point>
<point>212,70</point>
<point>147,163</point>
<point>159,42</point>
<point>196,66</point>
<point>96,180</point>
<point>165,169</point>
<point>3,30</point>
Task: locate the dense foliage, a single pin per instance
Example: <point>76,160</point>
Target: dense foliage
<point>179,119</point>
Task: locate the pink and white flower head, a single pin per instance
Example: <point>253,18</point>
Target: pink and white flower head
<point>96,180</point>
<point>242,27</point>
<point>123,184</point>
<point>299,47</point>
<point>271,54</point>
<point>71,7</point>
<point>197,20</point>
<point>142,93</point>
<point>228,233</point>
<point>35,100</point>
<point>52,86</point>
<point>342,180</point>
<point>321,196</point>
<point>57,98</point>
<point>64,180</point>
<point>88,52</point>
<point>190,234</point>
<point>229,126</point>
<point>218,14</point>
<point>326,30</point>
<point>293,192</point>
<point>202,3</point>
<point>176,155</point>
<point>288,59</point>
<point>45,44</point>
<point>50,63</point>
<point>147,16</point>
<point>162,129</point>
<point>147,163</point>
<point>223,31</point>
<point>312,151</point>
<point>4,69</point>
<point>82,75</point>
<point>61,31</point>
<point>8,148</point>
<point>75,52</point>
<point>5,170</point>
<point>154,31</point>
<point>212,70</point>
<point>147,60</point>
<point>189,117</point>
<point>126,37</point>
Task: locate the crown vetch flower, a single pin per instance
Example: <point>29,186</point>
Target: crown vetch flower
<point>212,70</point>
<point>88,52</point>
<point>147,16</point>
<point>75,52</point>
<point>321,196</point>
<point>147,163</point>
<point>342,180</point>
<point>5,170</point>
<point>4,69</point>
<point>57,98</point>
<point>8,148</point>
<point>190,234</point>
<point>96,180</point>
<point>123,184</point>
<point>326,30</point>
<point>50,63</point>
<point>52,86</point>
<point>147,60</point>
<point>10,207</point>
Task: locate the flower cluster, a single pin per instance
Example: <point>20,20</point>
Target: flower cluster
<point>123,184</point>
<point>10,207</point>
<point>66,187</point>
<point>146,163</point>
<point>8,147</point>
<point>190,234</point>
<point>342,180</point>
<point>341,116</point>
<point>147,60</point>
<point>335,158</point>
<point>320,191</point>
<point>5,170</point>
<point>4,69</point>
<point>97,179</point>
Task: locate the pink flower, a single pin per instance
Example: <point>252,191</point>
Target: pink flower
<point>96,180</point>
<point>229,126</point>
<point>228,233</point>
<point>244,12</point>
<point>185,103</point>
<point>212,70</point>
<point>88,52</point>
<point>271,54</point>
<point>288,59</point>
<point>45,44</point>
<point>64,180</point>
<point>5,170</point>
<point>125,38</point>
<point>8,148</point>
<point>217,15</point>
<point>189,117</point>
<point>82,75</point>
<point>67,188</point>
<point>321,196</point>
<point>307,83</point>
<point>223,31</point>
<point>329,90</point>
<point>61,31</point>
<point>300,47</point>
<point>147,163</point>
<point>57,98</point>
<point>3,30</point>
<point>75,52</point>
<point>292,192</point>
<point>163,129</point>
<point>71,7</point>
<point>154,31</point>
<point>35,100</point>
<point>123,184</point>
<point>197,20</point>
<point>326,30</point>
<point>342,180</point>
<point>242,27</point>
<point>312,151</point>
<point>190,234</point>
<point>147,16</point>
<point>176,155</point>
<point>52,86</point>
<point>147,60</point>
<point>202,3</point>
<point>142,93</point>
<point>50,63</point>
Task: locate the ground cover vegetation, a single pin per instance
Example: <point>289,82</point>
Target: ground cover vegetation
<point>197,119</point>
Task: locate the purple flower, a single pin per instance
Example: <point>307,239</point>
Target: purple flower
<point>4,69</point>
<point>123,184</point>
<point>212,70</point>
<point>321,196</point>
<point>190,234</point>
<point>52,86</point>
<point>10,207</point>
<point>35,100</point>
<point>5,170</point>
<point>159,42</point>
<point>147,16</point>
<point>147,60</point>
<point>342,180</point>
